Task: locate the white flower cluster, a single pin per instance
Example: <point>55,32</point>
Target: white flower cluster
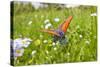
<point>18,46</point>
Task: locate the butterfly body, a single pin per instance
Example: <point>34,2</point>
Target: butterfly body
<point>60,38</point>
<point>59,34</point>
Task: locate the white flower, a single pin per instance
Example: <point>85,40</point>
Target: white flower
<point>80,36</point>
<point>41,36</point>
<point>30,22</point>
<point>48,25</point>
<point>93,14</point>
<point>26,42</point>
<point>57,42</point>
<point>55,48</point>
<point>87,42</point>
<point>46,21</point>
<point>68,53</point>
<point>18,52</point>
<point>68,30</point>
<point>53,43</point>
<point>17,43</point>
<point>47,52</point>
<point>56,19</point>
<point>45,41</point>
<point>21,42</point>
<point>33,52</point>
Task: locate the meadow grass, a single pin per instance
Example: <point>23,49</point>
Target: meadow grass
<point>81,35</point>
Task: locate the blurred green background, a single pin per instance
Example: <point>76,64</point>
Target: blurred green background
<point>81,34</point>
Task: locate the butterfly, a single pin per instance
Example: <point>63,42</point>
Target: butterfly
<point>59,33</point>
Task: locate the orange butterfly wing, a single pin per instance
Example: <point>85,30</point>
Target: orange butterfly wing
<point>51,32</point>
<point>65,25</point>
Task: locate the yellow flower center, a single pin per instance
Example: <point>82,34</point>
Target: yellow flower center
<point>17,51</point>
<point>23,42</point>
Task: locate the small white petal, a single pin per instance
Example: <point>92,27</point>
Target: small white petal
<point>53,43</point>
<point>56,19</point>
<point>17,43</point>
<point>57,42</point>
<point>80,36</point>
<point>68,53</point>
<point>27,39</point>
<point>47,52</point>
<point>87,42</point>
<point>26,42</point>
<point>55,48</point>
<point>93,14</point>
<point>30,22</point>
<point>46,21</point>
<point>45,41</point>
<point>18,52</point>
<point>48,25</point>
<point>33,52</point>
<point>41,36</point>
<point>77,27</point>
<point>25,45</point>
